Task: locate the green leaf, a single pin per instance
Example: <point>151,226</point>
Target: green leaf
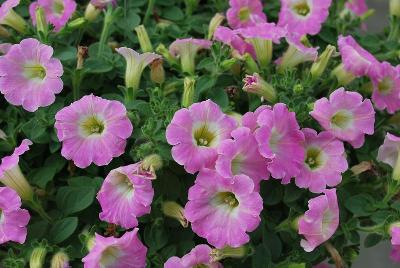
<point>359,205</point>
<point>205,83</point>
<point>292,193</point>
<point>173,13</point>
<point>97,65</point>
<point>42,176</point>
<point>371,240</point>
<point>219,96</point>
<point>155,236</point>
<point>62,229</point>
<point>71,199</point>
<point>261,257</point>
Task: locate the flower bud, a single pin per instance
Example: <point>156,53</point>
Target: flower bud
<point>174,210</point>
<point>394,7</point>
<point>255,84</point>
<point>162,50</point>
<point>60,260</point>
<point>191,5</point>
<point>228,252</point>
<point>322,61</point>
<point>152,163</point>
<point>343,77</point>
<point>144,40</point>
<point>227,64</point>
<point>38,257</point>
<point>76,23</point>
<point>250,64</point>
<point>298,88</point>
<point>157,72</point>
<point>91,12</point>
<point>214,23</point>
<point>41,23</point>
<point>188,91</point>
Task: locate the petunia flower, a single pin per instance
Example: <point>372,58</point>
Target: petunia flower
<point>304,16</point>
<point>12,176</point>
<point>346,116</point>
<point>57,12</point>
<point>358,7</point>
<point>29,75</point>
<point>199,256</point>
<point>60,260</point>
<point>223,210</point>
<point>93,130</point>
<point>395,254</point>
<point>281,142</point>
<point>13,219</point>
<point>240,156</point>
<point>232,39</point>
<point>103,3</point>
<point>10,18</point>
<point>125,195</point>
<point>321,220</point>
<point>394,230</point>
<point>245,13</point>
<point>388,153</point>
<point>124,252</point>
<point>256,85</point>
<point>249,119</point>
<point>94,8</point>
<point>324,161</point>
<point>196,132</point>
<point>186,50</point>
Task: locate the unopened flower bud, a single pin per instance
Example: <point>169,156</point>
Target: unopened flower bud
<point>250,64</point>
<point>255,84</point>
<point>322,61</point>
<point>174,210</point>
<point>227,64</point>
<point>38,257</point>
<point>157,72</point>
<point>228,252</point>
<point>144,40</point>
<point>152,163</point>
<point>41,23</point>
<point>76,23</point>
<point>214,23</point>
<point>162,50</point>
<point>91,12</point>
<point>188,91</point>
<point>394,7</point>
<point>298,88</point>
<point>60,260</point>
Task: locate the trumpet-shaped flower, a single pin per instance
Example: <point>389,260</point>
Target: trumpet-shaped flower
<point>232,39</point>
<point>324,161</point>
<point>103,3</point>
<point>200,256</point>
<point>124,252</point>
<point>388,153</point>
<point>93,130</point>
<point>358,7</point>
<point>196,132</point>
<point>256,85</point>
<point>223,210</point>
<point>281,142</point>
<point>10,18</point>
<point>29,75</point>
<point>13,219</point>
<point>321,220</point>
<point>245,13</point>
<point>346,115</point>
<point>125,195</point>
<point>395,233</point>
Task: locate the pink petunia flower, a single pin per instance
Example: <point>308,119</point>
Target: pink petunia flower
<point>257,85</point>
<point>395,254</point>
<point>245,13</point>
<point>324,162</point>
<point>249,119</point>
<point>57,12</point>
<point>358,7</point>
<point>304,16</point>
<point>388,153</point>
<point>281,142</point>
<point>125,195</point>
<point>232,39</point>
<point>346,116</point>
<point>10,18</point>
<point>240,156</point>
<point>93,130</point>
<point>200,256</point>
<point>29,75</point>
<point>103,3</point>
<point>124,252</point>
<point>196,132</point>
<point>13,219</point>
<point>386,82</point>
<point>223,210</point>
<point>321,220</point>
<point>395,233</point>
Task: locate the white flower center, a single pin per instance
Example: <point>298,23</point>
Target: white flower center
<point>34,71</point>
<point>237,163</point>
<point>385,86</point>
<point>204,135</point>
<point>342,119</point>
<point>244,14</point>
<point>315,158</point>
<point>301,8</point>
<point>92,126</point>
<point>124,184</point>
<point>110,256</point>
<point>58,7</point>
<point>226,199</point>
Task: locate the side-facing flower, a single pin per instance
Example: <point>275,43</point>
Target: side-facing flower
<point>103,3</point>
<point>388,153</point>
<point>281,142</point>
<point>245,13</point>
<point>10,18</point>
<point>215,22</point>
<point>394,230</point>
<point>29,75</point>
<point>94,8</point>
<point>124,252</point>
<point>232,39</point>
<point>93,130</point>
<point>125,195</point>
<point>321,220</point>
<point>13,219</point>
<point>255,84</point>
<point>304,16</point>
<point>358,7</point>
<point>345,115</point>
<point>199,256</point>
<point>11,175</point>
<point>223,210</point>
<point>196,132</point>
<point>186,50</point>
<point>324,161</point>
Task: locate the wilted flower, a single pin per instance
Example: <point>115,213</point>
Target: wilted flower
<point>256,85</point>
<point>29,75</point>
<point>38,257</point>
<point>244,13</point>
<point>223,210</point>
<point>358,7</point>
<point>157,72</point>
<point>93,130</point>
<point>232,39</point>
<point>321,220</point>
<point>176,211</point>
<point>60,260</point>
<point>198,257</point>
<point>389,153</point>
<point>346,116</point>
<point>196,133</point>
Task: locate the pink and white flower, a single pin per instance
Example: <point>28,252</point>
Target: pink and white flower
<point>223,210</point>
<point>10,18</point>
<point>29,75</point>
<point>245,13</point>
<point>321,220</point>
<point>358,7</point>
<point>249,119</point>
<point>281,142</point>
<point>196,132</point>
<point>13,219</point>
<point>346,116</point>
<point>304,16</point>
<point>389,153</point>
<point>124,252</point>
<point>232,39</point>
<point>198,257</point>
<point>257,85</point>
<point>93,130</point>
<point>125,195</point>
<point>395,233</point>
<point>324,162</point>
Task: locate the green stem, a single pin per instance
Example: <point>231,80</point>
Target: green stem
<point>37,207</point>
<point>108,20</point>
<point>149,10</point>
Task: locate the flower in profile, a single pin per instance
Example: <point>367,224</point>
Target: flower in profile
<point>12,176</point>
<point>222,210</point>
<point>388,153</point>
<point>232,39</point>
<point>200,256</point>
<point>186,50</point>
<point>125,195</point>
<point>321,220</point>
<point>386,82</point>
<point>196,132</point>
<point>324,161</point>
<point>281,142</point>
<point>13,219</point>
<point>304,16</point>
<point>29,75</point>
<point>124,252</point>
<point>358,7</point>
<point>93,130</point>
<point>245,13</point>
<point>394,229</point>
<point>240,156</point>
<point>249,119</point>
<point>94,8</point>
<point>346,116</point>
<point>10,18</point>
<point>103,3</point>
<point>255,84</point>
